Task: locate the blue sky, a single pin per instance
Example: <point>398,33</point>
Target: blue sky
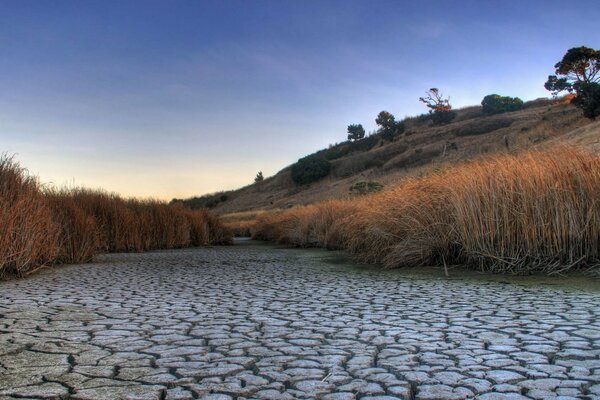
<point>177,98</point>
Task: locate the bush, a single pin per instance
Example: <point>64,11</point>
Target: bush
<point>335,153</point>
<point>496,104</point>
<point>206,201</point>
<point>365,187</point>
<point>310,169</point>
<point>442,117</point>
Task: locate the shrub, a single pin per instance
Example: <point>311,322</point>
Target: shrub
<point>442,117</point>
<point>206,201</point>
<point>310,169</point>
<point>365,187</point>
<point>335,153</point>
<point>495,104</point>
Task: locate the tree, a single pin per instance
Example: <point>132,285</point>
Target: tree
<point>388,127</point>
<point>439,108</point>
<point>356,132</point>
<point>588,99</point>
<point>259,177</point>
<point>496,104</point>
<point>579,72</point>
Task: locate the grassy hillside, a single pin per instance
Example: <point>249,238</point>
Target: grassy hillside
<point>534,211</point>
<point>420,149</point>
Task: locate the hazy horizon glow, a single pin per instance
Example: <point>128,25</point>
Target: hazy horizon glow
<point>173,99</point>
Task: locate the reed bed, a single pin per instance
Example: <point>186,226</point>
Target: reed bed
<point>43,226</point>
<point>536,211</point>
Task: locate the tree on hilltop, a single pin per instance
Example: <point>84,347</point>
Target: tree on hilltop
<point>356,132</point>
<point>439,107</point>
<point>579,72</point>
<point>388,127</point>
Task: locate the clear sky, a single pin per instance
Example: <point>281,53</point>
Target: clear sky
<point>178,98</point>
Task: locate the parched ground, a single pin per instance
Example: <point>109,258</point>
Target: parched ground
<point>253,321</point>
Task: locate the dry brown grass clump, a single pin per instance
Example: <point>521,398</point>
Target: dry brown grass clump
<point>207,228</point>
<point>241,224</point>
<point>240,228</point>
<point>79,237</point>
<point>319,224</point>
<point>41,226</point>
<point>28,233</point>
<point>534,211</point>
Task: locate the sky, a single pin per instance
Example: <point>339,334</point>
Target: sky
<point>175,98</point>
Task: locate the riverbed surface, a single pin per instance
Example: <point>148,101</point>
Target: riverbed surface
<point>255,321</point>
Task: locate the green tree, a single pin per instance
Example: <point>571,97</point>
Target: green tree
<point>579,72</point>
<point>439,107</point>
<point>496,104</point>
<point>259,177</point>
<point>388,127</point>
<point>356,132</point>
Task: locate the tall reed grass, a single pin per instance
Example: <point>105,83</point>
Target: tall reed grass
<point>28,232</point>
<point>42,226</point>
<point>533,211</point>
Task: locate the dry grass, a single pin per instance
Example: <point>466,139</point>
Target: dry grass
<point>79,238</point>
<point>423,146</point>
<point>313,225</point>
<point>240,224</point>
<point>28,233</point>
<point>40,226</point>
<point>533,211</point>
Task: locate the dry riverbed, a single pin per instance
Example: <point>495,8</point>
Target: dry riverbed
<point>255,321</point>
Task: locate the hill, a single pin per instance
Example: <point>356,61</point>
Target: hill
<point>421,148</point>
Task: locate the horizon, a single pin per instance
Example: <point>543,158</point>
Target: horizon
<point>169,101</point>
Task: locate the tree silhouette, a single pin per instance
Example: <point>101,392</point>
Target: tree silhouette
<point>439,107</point>
<point>579,72</point>
<point>356,132</point>
<point>388,127</point>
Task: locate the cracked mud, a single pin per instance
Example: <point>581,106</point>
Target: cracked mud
<point>257,322</point>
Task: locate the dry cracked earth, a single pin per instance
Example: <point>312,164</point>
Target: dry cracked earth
<point>258,322</point>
